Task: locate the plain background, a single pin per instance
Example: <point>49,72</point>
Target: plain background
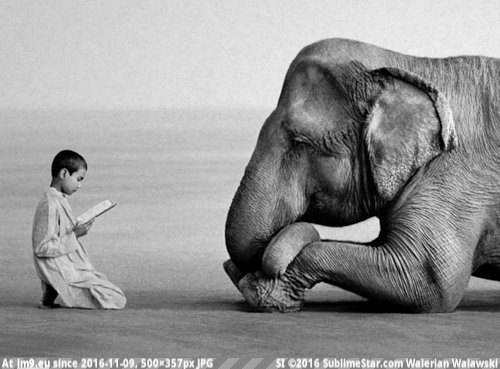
<point>126,54</point>
<point>165,99</point>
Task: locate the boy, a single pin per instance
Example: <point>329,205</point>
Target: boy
<point>60,260</point>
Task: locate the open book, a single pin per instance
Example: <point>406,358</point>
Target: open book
<point>95,211</point>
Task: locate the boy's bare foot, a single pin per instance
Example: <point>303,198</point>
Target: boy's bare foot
<point>41,305</point>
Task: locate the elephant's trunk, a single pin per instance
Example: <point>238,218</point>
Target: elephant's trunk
<point>249,225</point>
<point>270,197</point>
<point>255,217</point>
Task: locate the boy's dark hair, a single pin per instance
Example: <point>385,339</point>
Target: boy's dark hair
<point>68,159</point>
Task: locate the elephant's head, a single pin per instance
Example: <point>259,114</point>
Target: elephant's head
<point>342,142</point>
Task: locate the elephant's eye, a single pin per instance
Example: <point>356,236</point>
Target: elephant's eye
<point>317,147</point>
<point>294,135</point>
<point>300,139</point>
<point>321,147</point>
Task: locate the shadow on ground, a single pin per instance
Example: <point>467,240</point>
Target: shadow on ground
<point>473,301</point>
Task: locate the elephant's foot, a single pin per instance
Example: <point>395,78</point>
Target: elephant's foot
<point>271,295</point>
<point>285,246</point>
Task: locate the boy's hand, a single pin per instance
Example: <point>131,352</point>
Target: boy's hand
<point>81,229</point>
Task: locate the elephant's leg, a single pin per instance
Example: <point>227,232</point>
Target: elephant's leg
<point>280,252</point>
<point>268,294</point>
<point>272,294</point>
<point>277,294</point>
<point>400,275</point>
<point>285,246</point>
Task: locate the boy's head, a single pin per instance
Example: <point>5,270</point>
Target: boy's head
<point>67,159</point>
<point>68,170</point>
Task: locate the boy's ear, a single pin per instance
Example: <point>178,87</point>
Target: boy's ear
<point>62,173</point>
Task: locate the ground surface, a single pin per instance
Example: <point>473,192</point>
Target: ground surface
<point>173,176</point>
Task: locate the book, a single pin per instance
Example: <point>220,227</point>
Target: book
<point>95,211</point>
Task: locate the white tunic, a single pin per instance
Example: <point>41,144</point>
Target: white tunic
<point>61,261</point>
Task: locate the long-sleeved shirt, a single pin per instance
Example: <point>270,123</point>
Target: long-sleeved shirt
<point>61,261</point>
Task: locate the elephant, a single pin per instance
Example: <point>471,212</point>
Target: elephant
<point>360,131</point>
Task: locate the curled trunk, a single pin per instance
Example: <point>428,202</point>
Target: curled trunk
<point>269,198</point>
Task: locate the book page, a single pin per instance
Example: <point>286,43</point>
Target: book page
<point>95,211</point>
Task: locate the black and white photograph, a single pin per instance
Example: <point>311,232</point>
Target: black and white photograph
<point>277,184</point>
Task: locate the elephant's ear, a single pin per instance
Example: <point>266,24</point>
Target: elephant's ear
<point>410,123</point>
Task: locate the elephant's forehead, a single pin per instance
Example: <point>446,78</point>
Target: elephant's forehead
<point>313,100</point>
<point>340,51</point>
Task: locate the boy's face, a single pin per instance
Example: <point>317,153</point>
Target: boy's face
<point>72,182</point>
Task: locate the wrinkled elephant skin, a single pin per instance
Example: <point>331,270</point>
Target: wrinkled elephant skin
<point>358,132</point>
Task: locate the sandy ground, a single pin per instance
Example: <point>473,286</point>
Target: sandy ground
<point>173,175</point>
